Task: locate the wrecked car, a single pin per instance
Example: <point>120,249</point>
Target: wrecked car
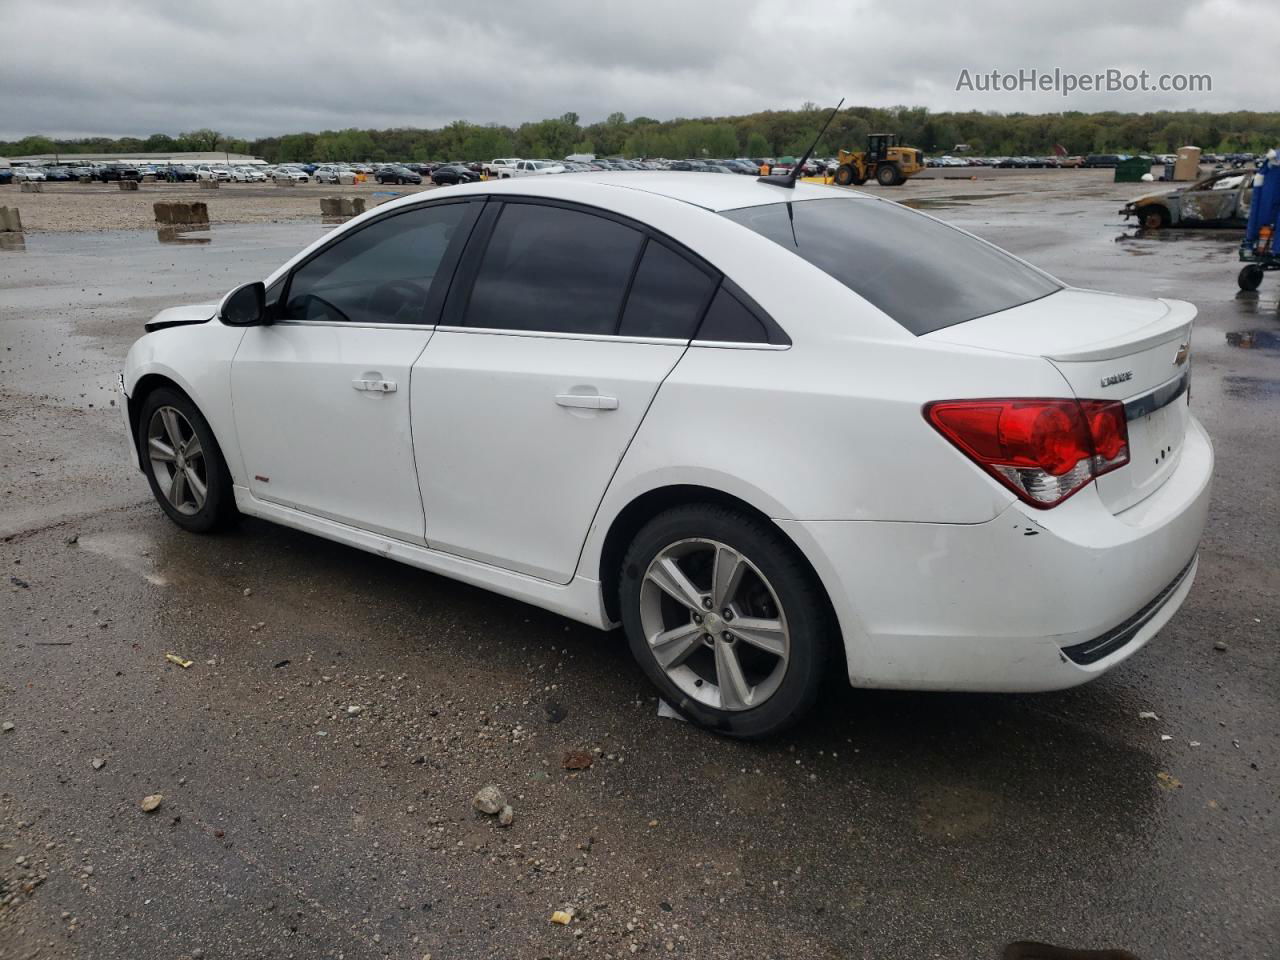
<point>1221,200</point>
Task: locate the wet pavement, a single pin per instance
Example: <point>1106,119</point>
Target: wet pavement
<point>891,825</point>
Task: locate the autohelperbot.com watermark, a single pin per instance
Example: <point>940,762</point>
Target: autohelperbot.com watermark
<point>1065,82</point>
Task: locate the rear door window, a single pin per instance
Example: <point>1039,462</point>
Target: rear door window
<point>555,270</point>
<point>667,295</point>
<point>921,272</point>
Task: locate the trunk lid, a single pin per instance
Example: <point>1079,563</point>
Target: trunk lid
<point>1107,347</point>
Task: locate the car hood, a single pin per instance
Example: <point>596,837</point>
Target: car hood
<point>181,316</point>
<point>1153,197</point>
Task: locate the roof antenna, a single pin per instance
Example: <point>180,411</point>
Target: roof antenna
<point>788,180</point>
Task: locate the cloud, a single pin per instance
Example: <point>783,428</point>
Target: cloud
<point>278,66</point>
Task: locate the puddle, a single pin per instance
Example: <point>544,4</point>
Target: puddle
<point>1254,340</point>
<point>934,203</point>
<point>943,203</point>
<point>130,550</point>
<point>1250,388</point>
<point>1176,235</point>
<point>184,235</point>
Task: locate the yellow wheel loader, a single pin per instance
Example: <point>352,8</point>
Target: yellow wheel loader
<point>884,161</point>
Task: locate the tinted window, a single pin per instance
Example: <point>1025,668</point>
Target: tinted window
<point>667,296</point>
<point>729,321</point>
<point>555,270</point>
<point>379,274</point>
<point>922,273</point>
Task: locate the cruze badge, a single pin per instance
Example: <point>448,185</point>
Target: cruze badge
<point>1115,378</point>
<point>1184,351</point>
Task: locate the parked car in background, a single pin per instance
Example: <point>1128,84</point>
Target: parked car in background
<point>296,174</point>
<point>213,172</point>
<point>58,174</point>
<point>179,173</point>
<point>6,175</point>
<point>531,168</point>
<point>28,175</point>
<point>453,173</point>
<point>1221,200</point>
<point>109,172</point>
<point>494,167</point>
<point>395,173</point>
<point>1096,160</point>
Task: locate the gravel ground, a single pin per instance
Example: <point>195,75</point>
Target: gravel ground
<point>104,206</point>
<point>912,827</point>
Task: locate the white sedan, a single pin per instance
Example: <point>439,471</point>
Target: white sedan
<point>289,174</point>
<point>772,432</point>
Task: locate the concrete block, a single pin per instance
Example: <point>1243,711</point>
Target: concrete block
<point>148,178</point>
<point>127,184</point>
<point>347,178</point>
<point>32,186</point>
<point>286,183</point>
<point>10,220</point>
<point>341,206</point>
<point>85,179</point>
<point>175,213</point>
<point>208,184</point>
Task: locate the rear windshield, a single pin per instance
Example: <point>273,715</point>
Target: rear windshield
<point>922,273</point>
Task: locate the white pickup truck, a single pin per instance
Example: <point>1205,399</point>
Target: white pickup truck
<point>531,168</point>
<point>494,168</point>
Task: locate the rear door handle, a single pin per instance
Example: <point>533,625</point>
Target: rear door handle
<point>375,386</point>
<point>587,401</point>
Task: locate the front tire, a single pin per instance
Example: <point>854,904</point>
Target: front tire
<point>183,463</point>
<point>1153,218</point>
<point>726,619</point>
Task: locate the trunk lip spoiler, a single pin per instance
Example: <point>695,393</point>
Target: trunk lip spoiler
<point>1177,312</point>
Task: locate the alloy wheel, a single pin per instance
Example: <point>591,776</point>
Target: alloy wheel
<point>177,460</point>
<point>714,624</point>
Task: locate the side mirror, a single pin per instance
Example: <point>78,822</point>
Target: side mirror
<point>245,306</point>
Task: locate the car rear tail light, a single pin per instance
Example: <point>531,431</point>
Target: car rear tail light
<point>1042,450</point>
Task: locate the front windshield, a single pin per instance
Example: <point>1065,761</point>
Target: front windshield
<point>921,272</point>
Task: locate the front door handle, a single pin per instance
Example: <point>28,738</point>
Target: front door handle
<point>587,401</point>
<point>375,386</point>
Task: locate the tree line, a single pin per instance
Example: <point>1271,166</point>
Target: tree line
<point>770,133</point>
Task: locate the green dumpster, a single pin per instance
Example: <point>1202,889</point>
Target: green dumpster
<point>1132,169</point>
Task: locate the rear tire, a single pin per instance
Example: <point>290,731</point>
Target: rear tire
<point>746,659</point>
<point>1250,277</point>
<point>175,439</point>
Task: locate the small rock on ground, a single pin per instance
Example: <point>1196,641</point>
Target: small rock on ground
<point>489,800</point>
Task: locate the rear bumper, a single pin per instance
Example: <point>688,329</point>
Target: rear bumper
<point>1032,600</point>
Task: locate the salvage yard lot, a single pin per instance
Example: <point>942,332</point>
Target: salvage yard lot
<point>890,825</point>
<point>103,206</point>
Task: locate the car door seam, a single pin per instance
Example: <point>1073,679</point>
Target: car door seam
<point>618,465</point>
<point>413,449</point>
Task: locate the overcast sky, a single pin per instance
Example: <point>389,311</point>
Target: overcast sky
<point>126,67</point>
